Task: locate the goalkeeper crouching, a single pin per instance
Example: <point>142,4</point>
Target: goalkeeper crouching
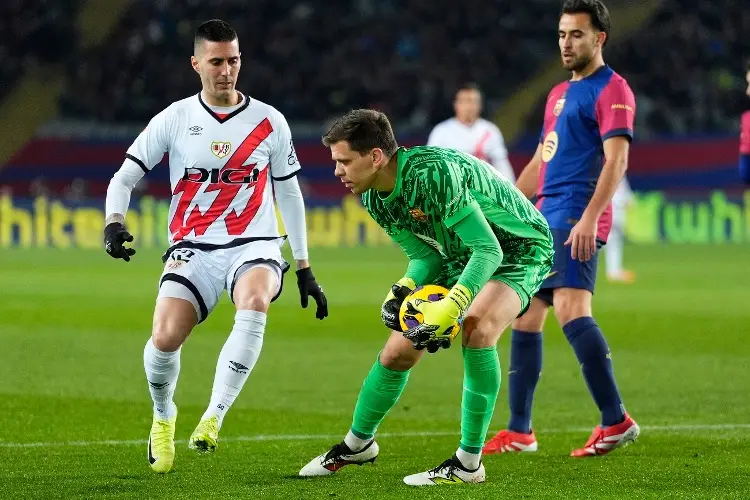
<point>463,227</point>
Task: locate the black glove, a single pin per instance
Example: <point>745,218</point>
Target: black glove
<point>308,287</point>
<point>389,311</point>
<point>115,235</point>
<point>422,336</point>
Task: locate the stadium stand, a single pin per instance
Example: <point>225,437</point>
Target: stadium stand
<point>32,32</point>
<point>289,60</point>
<point>398,58</point>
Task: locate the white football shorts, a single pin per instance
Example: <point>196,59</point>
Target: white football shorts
<point>200,276</point>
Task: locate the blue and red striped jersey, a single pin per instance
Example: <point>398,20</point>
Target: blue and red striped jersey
<point>579,116</point>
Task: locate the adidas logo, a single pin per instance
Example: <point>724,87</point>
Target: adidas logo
<point>238,367</point>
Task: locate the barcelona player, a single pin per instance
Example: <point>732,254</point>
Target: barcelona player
<point>581,158</point>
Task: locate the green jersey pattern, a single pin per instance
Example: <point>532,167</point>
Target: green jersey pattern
<point>436,188</point>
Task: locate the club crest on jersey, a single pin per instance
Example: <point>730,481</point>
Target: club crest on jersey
<point>418,214</point>
<point>221,149</point>
<point>559,106</point>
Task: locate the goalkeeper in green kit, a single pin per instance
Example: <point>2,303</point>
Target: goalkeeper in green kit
<point>464,227</point>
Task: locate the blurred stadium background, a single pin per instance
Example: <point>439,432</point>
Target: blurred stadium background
<point>80,79</point>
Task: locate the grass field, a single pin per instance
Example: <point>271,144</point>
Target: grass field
<point>75,410</point>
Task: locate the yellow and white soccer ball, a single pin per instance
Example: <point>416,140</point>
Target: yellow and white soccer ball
<point>425,293</point>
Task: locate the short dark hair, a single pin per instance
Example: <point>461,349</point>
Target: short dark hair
<point>596,10</point>
<point>468,86</point>
<point>214,30</point>
<point>364,130</point>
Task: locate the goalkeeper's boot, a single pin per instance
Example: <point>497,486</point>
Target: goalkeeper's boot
<point>339,456</point>
<point>205,437</point>
<point>161,444</point>
<point>452,471</point>
<point>605,439</point>
<point>507,441</point>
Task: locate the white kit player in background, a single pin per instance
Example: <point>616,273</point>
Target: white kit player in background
<point>622,199</point>
<point>469,133</point>
<point>228,155</point>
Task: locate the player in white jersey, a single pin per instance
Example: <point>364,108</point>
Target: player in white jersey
<point>620,202</point>
<point>469,133</point>
<point>229,155</point>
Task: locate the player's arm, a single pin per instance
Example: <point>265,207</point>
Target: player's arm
<point>424,261</point>
<point>284,170</point>
<point>582,239</point>
<point>146,151</point>
<point>615,113</point>
<point>529,179</point>
<point>623,195</point>
<point>462,214</point>
<point>744,162</point>
<point>498,155</point>
<point>424,265</point>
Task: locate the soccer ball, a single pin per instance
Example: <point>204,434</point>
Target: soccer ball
<point>427,293</point>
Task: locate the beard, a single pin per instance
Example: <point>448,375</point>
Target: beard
<point>578,63</point>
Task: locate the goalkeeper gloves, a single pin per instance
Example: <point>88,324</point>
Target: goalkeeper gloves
<point>115,235</point>
<point>392,305</point>
<point>440,319</point>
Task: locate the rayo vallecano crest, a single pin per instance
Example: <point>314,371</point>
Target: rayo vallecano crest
<point>221,149</point>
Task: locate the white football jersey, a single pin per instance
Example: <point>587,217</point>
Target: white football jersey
<point>221,165</point>
<point>623,196</point>
<point>481,139</point>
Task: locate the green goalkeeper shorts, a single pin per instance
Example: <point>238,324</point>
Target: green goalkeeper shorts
<point>524,271</point>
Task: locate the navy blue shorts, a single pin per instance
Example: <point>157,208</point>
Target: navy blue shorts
<point>566,272</point>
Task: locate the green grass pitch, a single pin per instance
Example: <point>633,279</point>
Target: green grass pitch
<point>75,410</point>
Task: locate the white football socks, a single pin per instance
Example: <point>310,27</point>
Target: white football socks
<point>470,461</point>
<point>613,250</point>
<point>355,443</point>
<point>162,370</point>
<point>236,361</point>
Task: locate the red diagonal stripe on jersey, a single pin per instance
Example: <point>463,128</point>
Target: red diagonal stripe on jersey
<point>227,192</point>
<point>188,190</point>
<point>479,148</point>
<point>236,224</point>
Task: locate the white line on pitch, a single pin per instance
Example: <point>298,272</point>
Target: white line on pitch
<point>677,428</point>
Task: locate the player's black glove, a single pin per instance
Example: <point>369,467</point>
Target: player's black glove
<point>389,311</point>
<point>437,322</point>
<point>422,336</point>
<point>308,287</point>
<point>115,235</point>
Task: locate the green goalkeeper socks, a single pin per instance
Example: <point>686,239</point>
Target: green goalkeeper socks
<point>481,385</point>
<point>380,391</point>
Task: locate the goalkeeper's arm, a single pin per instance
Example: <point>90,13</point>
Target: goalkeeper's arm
<point>436,330</point>
<point>486,256</point>
<point>424,264</point>
<point>424,261</point>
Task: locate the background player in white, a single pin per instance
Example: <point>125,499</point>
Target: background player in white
<point>614,248</point>
<point>224,148</point>
<point>469,133</point>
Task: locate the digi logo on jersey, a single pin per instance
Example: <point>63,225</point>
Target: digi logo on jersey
<point>243,175</point>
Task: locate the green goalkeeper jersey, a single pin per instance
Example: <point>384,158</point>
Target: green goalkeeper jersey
<point>449,211</point>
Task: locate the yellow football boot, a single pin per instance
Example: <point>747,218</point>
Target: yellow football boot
<point>205,437</point>
<point>161,444</point>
